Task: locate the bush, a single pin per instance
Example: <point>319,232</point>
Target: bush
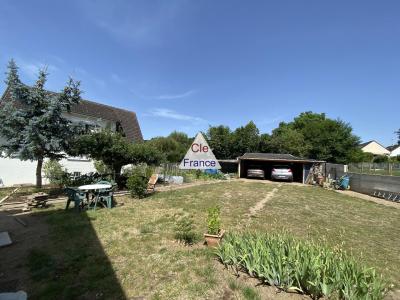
<point>303,266</point>
<point>213,220</point>
<point>137,184</point>
<point>184,231</point>
<point>54,172</point>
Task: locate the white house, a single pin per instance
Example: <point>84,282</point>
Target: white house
<point>375,148</point>
<point>394,150</point>
<point>94,115</point>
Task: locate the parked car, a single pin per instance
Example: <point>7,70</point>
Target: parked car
<point>255,172</point>
<point>282,173</point>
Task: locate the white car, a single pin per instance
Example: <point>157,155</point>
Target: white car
<point>282,173</point>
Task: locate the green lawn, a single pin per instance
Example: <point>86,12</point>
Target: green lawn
<point>129,251</point>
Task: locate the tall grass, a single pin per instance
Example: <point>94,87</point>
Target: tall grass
<point>303,266</point>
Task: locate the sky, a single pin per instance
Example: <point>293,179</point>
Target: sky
<point>185,65</point>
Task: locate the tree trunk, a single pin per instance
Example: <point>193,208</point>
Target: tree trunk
<point>39,173</point>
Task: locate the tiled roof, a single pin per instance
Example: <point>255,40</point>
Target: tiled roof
<point>276,157</point>
<point>393,147</point>
<point>127,119</point>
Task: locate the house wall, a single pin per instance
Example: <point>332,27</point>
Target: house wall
<point>375,149</point>
<point>395,152</point>
<point>14,171</point>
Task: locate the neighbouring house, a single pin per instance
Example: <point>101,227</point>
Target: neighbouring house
<point>94,116</point>
<point>394,150</point>
<point>300,167</point>
<point>374,147</point>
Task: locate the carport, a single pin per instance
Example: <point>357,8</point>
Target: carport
<point>266,161</point>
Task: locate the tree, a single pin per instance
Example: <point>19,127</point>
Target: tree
<point>220,140</point>
<point>285,139</point>
<point>315,136</point>
<point>114,150</point>
<point>245,139</point>
<point>173,146</point>
<point>398,136</point>
<point>33,124</point>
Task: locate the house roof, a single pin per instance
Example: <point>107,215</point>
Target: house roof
<point>362,145</point>
<point>276,157</point>
<point>393,147</point>
<point>127,119</point>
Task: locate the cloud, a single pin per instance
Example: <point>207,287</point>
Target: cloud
<point>164,96</point>
<point>31,69</point>
<point>170,114</point>
<point>175,96</point>
<point>269,121</point>
<point>141,22</point>
<point>116,78</point>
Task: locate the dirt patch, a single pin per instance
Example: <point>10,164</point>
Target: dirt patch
<point>370,198</point>
<point>14,274</point>
<point>260,204</point>
<point>173,187</point>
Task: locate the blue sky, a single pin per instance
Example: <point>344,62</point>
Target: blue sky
<point>184,65</point>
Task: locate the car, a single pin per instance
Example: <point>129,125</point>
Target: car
<point>281,172</point>
<point>255,172</point>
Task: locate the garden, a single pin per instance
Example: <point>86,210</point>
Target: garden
<point>302,243</point>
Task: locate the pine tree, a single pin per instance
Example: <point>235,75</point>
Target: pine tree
<point>33,124</point>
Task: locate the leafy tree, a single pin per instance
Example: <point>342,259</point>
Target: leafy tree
<point>173,146</point>
<point>357,156</point>
<point>245,139</point>
<point>316,136</point>
<point>114,150</point>
<point>265,146</point>
<point>33,124</point>
<point>220,140</point>
<point>285,139</point>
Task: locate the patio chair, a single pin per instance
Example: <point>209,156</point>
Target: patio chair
<point>76,196</point>
<point>151,185</point>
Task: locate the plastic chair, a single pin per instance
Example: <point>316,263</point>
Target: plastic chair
<point>76,196</point>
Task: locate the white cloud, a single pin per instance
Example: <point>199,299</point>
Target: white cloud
<point>141,22</point>
<point>170,114</point>
<point>164,96</point>
<point>31,69</point>
<point>117,78</point>
<point>175,96</point>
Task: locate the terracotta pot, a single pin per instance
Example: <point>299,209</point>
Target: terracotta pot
<point>213,240</point>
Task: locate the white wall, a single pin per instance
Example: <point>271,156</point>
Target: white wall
<point>395,152</point>
<point>375,149</point>
<point>14,171</point>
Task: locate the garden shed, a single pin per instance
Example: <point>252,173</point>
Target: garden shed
<point>266,161</point>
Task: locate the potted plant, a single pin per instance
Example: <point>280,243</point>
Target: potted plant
<point>214,233</point>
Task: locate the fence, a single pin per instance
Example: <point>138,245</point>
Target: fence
<point>385,168</point>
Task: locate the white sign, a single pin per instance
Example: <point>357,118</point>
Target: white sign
<point>199,156</point>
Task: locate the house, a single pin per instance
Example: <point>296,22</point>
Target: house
<point>374,147</point>
<point>394,150</point>
<point>95,116</point>
<point>266,161</point>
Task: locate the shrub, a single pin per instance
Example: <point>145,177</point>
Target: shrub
<point>184,231</point>
<point>213,220</point>
<point>54,172</point>
<point>303,266</point>
<point>137,184</point>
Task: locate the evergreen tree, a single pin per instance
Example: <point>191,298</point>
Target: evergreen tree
<point>33,124</point>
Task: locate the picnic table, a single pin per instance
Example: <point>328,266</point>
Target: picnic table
<point>90,195</point>
<point>101,192</point>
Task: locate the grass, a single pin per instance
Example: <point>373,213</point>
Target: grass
<point>130,251</point>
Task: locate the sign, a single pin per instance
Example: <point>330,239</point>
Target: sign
<point>199,156</point>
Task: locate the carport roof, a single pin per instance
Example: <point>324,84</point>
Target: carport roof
<point>277,157</point>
